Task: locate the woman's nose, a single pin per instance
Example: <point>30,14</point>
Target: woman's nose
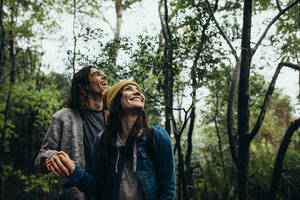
<point>136,91</point>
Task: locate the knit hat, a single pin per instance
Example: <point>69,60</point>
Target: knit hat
<point>110,94</point>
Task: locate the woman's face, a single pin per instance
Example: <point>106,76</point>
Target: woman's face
<point>132,98</point>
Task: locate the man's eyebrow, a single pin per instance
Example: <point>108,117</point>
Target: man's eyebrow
<point>96,72</point>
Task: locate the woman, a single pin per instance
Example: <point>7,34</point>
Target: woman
<point>131,160</point>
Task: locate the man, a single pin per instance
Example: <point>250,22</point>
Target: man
<point>74,128</point>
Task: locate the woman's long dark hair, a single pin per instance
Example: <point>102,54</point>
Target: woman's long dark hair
<point>106,147</point>
<point>78,99</point>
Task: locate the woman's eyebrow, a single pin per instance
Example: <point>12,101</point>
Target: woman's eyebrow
<point>139,89</point>
<point>136,87</point>
<point>132,86</point>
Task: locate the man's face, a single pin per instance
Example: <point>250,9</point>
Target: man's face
<point>98,81</point>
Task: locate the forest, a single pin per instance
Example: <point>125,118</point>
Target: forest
<point>204,73</point>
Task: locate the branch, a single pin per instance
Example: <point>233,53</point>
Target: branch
<point>186,119</point>
<point>268,95</point>
<point>177,133</point>
<point>175,130</point>
<point>129,3</point>
<point>230,131</point>
<point>74,36</point>
<point>167,19</point>
<point>280,156</point>
<point>222,32</point>
<point>278,5</point>
<point>270,24</point>
<point>189,137</point>
<point>105,20</point>
<point>161,20</point>
<point>180,101</point>
<point>218,132</point>
<point>216,5</point>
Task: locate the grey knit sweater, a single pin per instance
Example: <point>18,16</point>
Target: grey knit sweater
<point>65,133</point>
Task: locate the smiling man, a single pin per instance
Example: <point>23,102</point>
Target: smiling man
<point>74,128</point>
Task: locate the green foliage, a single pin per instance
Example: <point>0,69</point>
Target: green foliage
<point>33,100</point>
<point>34,186</point>
<point>287,38</point>
<point>262,5</point>
<point>31,111</point>
<point>38,184</point>
<point>263,156</point>
<point>27,18</point>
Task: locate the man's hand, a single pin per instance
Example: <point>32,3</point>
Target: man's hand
<point>60,164</point>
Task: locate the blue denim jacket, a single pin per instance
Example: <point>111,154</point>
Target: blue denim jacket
<point>157,177</point>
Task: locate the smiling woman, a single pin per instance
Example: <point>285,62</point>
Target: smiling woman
<point>132,98</point>
<point>132,161</point>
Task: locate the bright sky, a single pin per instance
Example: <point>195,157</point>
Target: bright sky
<point>144,16</point>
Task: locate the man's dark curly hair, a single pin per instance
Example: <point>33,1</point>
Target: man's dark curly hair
<point>78,99</point>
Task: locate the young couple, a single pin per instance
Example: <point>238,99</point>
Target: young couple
<point>122,159</point>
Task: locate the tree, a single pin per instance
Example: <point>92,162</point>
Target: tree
<point>245,137</point>
<point>280,157</point>
<point>22,18</point>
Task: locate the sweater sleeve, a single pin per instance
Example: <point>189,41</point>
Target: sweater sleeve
<point>50,144</point>
<point>165,166</point>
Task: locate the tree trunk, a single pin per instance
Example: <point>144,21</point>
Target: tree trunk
<point>168,95</point>
<point>74,37</point>
<point>243,104</point>
<point>219,136</point>
<point>12,81</point>
<point>189,170</point>
<point>168,73</point>
<point>280,157</point>
<point>243,169</point>
<point>119,12</point>
<point>119,7</point>
<point>2,39</point>
<point>189,139</point>
<point>181,174</point>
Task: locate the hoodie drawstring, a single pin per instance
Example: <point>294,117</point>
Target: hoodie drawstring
<point>134,157</point>
<point>116,168</point>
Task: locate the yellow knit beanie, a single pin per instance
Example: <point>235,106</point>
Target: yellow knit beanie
<point>110,94</point>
